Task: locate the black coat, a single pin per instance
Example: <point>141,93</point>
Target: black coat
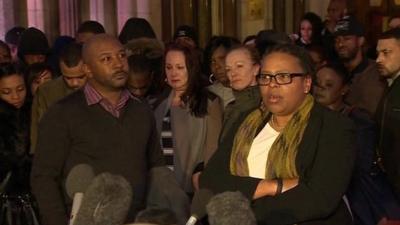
<point>388,119</point>
<point>14,146</point>
<point>324,162</point>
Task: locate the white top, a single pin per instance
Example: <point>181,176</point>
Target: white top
<point>258,155</point>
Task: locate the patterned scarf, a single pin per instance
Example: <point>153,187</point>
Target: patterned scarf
<point>282,155</point>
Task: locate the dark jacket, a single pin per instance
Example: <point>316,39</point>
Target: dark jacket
<point>14,145</point>
<point>202,133</point>
<point>388,119</point>
<point>245,101</point>
<point>370,196</point>
<point>46,95</point>
<point>366,87</point>
<point>324,162</point>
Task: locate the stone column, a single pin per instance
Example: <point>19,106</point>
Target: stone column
<point>125,10</point>
<point>204,21</point>
<point>143,9</point>
<point>43,14</point>
<point>104,12</point>
<point>7,20</point>
<point>183,13</point>
<point>298,12</point>
<point>69,17</point>
<point>84,10</point>
<point>166,24</point>
<point>279,15</point>
<point>20,13</point>
<point>155,15</point>
<point>51,20</point>
<point>229,16</point>
<point>35,14</point>
<point>216,17</point>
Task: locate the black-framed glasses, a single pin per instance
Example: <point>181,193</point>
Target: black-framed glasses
<point>264,79</point>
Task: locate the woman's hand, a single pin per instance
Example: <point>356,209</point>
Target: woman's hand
<point>269,187</point>
<point>289,184</point>
<point>195,180</point>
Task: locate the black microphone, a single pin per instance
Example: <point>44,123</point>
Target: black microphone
<point>198,207</point>
<point>230,208</point>
<point>78,179</point>
<point>106,202</point>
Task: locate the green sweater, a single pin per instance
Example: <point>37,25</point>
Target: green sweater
<point>46,95</point>
<point>71,133</point>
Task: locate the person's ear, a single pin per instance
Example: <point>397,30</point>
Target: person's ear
<point>361,41</point>
<point>307,84</point>
<point>256,69</point>
<point>344,90</point>
<point>86,70</point>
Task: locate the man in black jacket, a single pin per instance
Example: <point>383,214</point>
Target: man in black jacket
<point>388,113</point>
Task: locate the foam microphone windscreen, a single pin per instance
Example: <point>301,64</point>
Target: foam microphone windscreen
<point>199,202</point>
<point>230,208</point>
<point>78,179</point>
<point>106,201</point>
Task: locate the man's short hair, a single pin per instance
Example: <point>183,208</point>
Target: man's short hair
<point>91,26</point>
<point>392,33</point>
<point>71,55</point>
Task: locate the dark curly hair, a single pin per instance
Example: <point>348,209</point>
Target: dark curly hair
<point>296,51</point>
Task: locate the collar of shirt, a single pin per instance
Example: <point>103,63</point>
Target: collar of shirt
<point>94,97</point>
<point>391,80</point>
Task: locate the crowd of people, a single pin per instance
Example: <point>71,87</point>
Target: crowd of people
<point>286,128</point>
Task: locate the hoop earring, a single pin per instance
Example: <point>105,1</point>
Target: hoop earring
<point>211,78</point>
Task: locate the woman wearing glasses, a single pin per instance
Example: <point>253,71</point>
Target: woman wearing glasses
<point>292,157</point>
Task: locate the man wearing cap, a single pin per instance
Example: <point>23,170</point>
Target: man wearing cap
<point>336,10</point>
<point>367,87</point>
<point>186,35</point>
<point>388,113</point>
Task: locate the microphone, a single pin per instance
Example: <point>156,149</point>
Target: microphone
<point>198,207</point>
<point>77,181</point>
<point>230,208</point>
<point>107,201</point>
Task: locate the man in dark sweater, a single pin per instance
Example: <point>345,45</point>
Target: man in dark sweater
<point>101,125</point>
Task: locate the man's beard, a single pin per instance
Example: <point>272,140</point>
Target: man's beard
<point>384,72</point>
<point>352,55</point>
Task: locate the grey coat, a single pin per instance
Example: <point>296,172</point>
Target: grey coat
<point>195,139</point>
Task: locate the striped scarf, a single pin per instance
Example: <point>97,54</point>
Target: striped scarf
<point>282,155</point>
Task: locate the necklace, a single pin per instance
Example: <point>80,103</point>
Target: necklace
<point>275,125</point>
